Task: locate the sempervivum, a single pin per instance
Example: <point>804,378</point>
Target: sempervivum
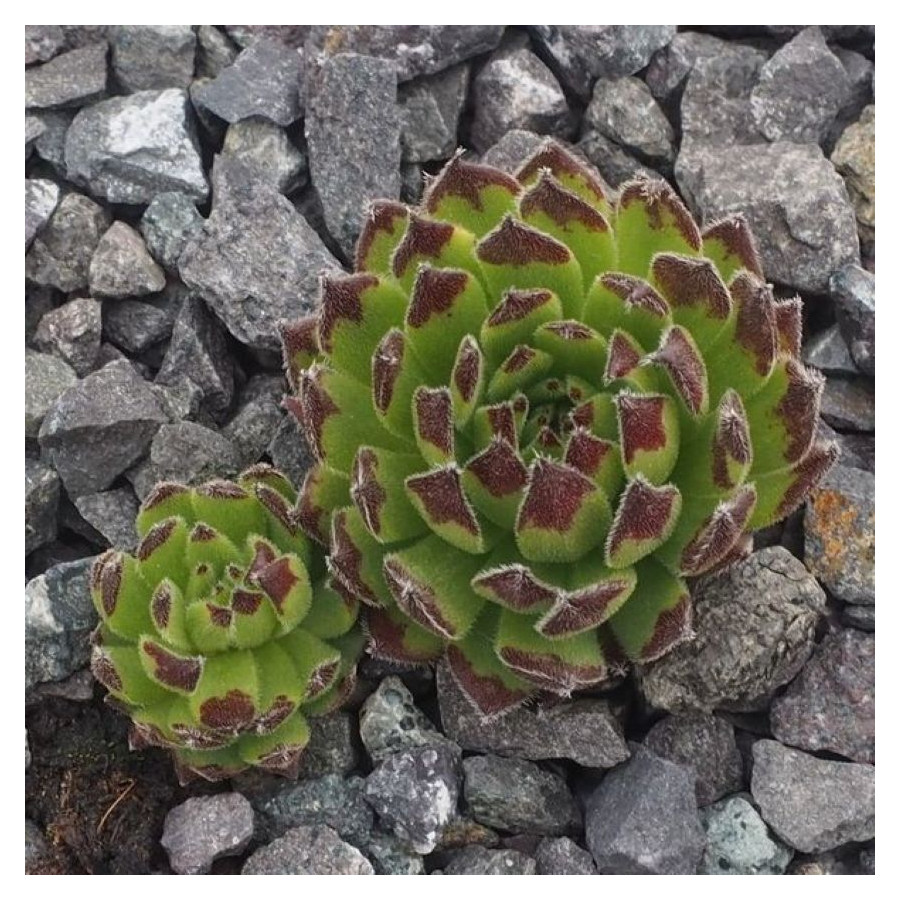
<point>219,637</point>
<point>536,408</point>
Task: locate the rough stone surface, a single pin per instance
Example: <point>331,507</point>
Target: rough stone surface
<point>849,404</point>
<point>215,51</point>
<point>34,128</point>
<point>642,819</point>
<point>854,158</point>
<point>562,856</point>
<point>46,379</point>
<point>517,796</point>
<point>481,861</point>
<point>112,513</point>
<point>671,64</point>
<point>625,112</point>
<point>265,81</point>
<point>43,42</point>
<point>50,144</point>
<point>738,842</point>
<point>613,163</point>
<point>266,149</point>
<point>828,352</point>
<point>129,149</point>
<point>415,793</point>
<point>61,255</point>
<point>704,743</point>
<point>794,201</point>
<point>256,261</point>
<point>100,427</point>
<point>190,453</point>
<point>151,57</point>
<point>136,326</point>
<point>59,617</point>
<point>754,629</point>
<point>516,90</point>
<point>41,197</point>
<point>36,846</point>
<point>867,861</point>
<point>253,427</point>
<point>801,89</point>
<point>292,36</point>
<point>167,225</point>
<point>122,267</point>
<point>204,829</point>
<point>332,747</point>
<point>289,451</point>
<point>861,617</point>
<point>70,79</point>
<point>512,150</point>
<point>583,53</point>
<point>813,804</point>
<point>41,501</point>
<point>390,856</point>
<point>354,156</point>
<point>853,291</point>
<point>430,109</point>
<point>586,731</point>
<point>308,850</point>
<point>72,333</point>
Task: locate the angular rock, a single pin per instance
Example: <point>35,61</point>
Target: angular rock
<point>517,796</point>
<point>794,201</point>
<point>853,291</point>
<point>41,197</point>
<point>203,829</point>
<point>624,111</point>
<point>611,161</point>
<point>308,850</point>
<point>813,804</point>
<point>415,49</point>
<point>861,617</point>
<point>59,618</point>
<point>168,223</point>
<point>38,302</point>
<point>152,57</point>
<point>72,333</point>
<point>61,255</point>
<point>840,534</point>
<point>801,89</point>
<point>516,90</point>
<point>289,451</point>
<point>41,501</point>
<point>136,326</point>
<point>190,453</point>
<point>34,128</point>
<point>332,746</point>
<point>390,856</point>
<point>291,36</point>
<point>738,842</point>
<point>586,731</point>
<point>415,793</point>
<point>70,79</point>
<point>43,42</point>
<point>670,66</point>
<point>430,109</point>
<point>215,51</point>
<point>830,705</point>
<point>100,427</point>
<point>265,80</point>
<point>36,846</point>
<point>854,158</point>
<point>253,427</point>
<point>112,513</point>
<point>354,156</point>
<point>828,352</point>
<point>481,861</point>
<point>129,149</point>
<point>122,267</point>
<point>512,150</point>
<point>256,261</point>
<point>84,35</point>
<point>266,149</point>
<point>562,856</point>
<point>46,380</point>
<point>849,404</point>
<point>643,820</point>
<point>704,743</point>
<point>50,144</point>
<point>754,628</point>
<point>583,53</point>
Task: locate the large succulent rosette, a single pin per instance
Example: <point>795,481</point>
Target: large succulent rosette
<point>219,636</point>
<point>537,407</point>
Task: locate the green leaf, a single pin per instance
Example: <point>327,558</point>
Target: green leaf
<point>375,489</point>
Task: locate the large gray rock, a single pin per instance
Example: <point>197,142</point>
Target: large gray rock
<point>59,618</point>
<point>46,379</point>
<point>72,333</point>
<point>190,453</point>
<point>167,225</point>
<point>100,427</point>
<point>839,526</point>
<point>308,850</point>
<point>136,326</point>
<point>614,164</point>
<point>332,747</point>
<point>43,42</point>
<point>122,267</point>
<point>70,79</point>
<point>518,796</point>
<point>256,261</point>
<point>152,57</point>
<point>50,144</point>
<point>853,291</point>
<point>292,36</point>
<point>266,149</point>
<point>203,829</point>
<point>670,66</point>
<point>813,804</point>
<point>562,856</point>
<point>754,629</point>
<point>34,128</point>
<point>354,156</point>
<point>112,513</point>
<point>390,856</point>
<point>854,158</point>
<point>642,819</point>
<point>289,451</point>
<point>586,731</point>
<point>828,352</point>
<point>481,861</point>
<point>41,197</point>
<point>215,51</point>
<point>795,202</point>
<point>582,53</point>
<point>430,109</point>
<point>61,255</point>
<point>253,427</point>
<point>801,89</point>
<point>517,91</point>
<point>849,404</point>
<point>265,80</point>
<point>41,501</point>
<point>129,149</point>
<point>512,150</point>
<point>738,842</point>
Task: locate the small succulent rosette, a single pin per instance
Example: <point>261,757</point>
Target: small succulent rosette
<point>219,637</point>
<point>537,407</point>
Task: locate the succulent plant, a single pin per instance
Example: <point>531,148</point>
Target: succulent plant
<point>219,637</point>
<point>536,408</point>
